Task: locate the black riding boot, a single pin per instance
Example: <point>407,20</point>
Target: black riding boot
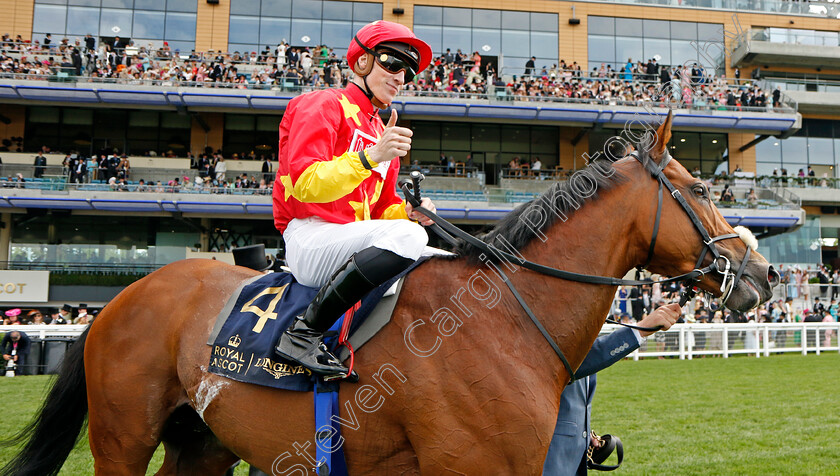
<point>303,341</point>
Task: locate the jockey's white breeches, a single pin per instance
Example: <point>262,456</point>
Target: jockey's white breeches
<point>316,248</point>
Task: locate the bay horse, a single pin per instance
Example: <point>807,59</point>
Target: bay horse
<point>459,382</point>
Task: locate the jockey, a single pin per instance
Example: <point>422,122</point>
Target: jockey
<point>335,202</point>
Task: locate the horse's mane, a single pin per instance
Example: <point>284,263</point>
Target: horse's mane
<point>559,201</point>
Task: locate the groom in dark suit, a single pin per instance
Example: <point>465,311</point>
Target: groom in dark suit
<point>567,453</point>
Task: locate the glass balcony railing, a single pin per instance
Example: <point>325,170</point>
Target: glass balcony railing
<point>807,85</point>
<point>81,258</point>
<point>819,9</point>
<point>796,36</point>
<point>710,94</point>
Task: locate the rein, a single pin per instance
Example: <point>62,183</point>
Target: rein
<point>719,263</point>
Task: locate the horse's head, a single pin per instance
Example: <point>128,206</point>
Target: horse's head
<point>734,270</point>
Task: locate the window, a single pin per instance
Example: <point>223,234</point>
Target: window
<point>487,41</point>
<point>433,35</point>
<point>602,49</point>
<point>820,151</point>
<point>244,29</point>
<point>672,43</point>
<point>543,21</point>
<point>489,19</point>
<point>337,11</point>
<point>627,27</point>
<point>516,20</point>
<point>628,48</point>
<point>602,26</point>
<point>336,32</point>
<point>306,9</point>
<point>180,26</point>
<point>428,15</point>
<point>457,17</point>
<point>80,19</point>
<point>366,12</point>
<point>275,30</point>
<point>145,21</point>
<point>683,30</point>
<point>458,38</point>
<point>158,5</point>
<point>49,18</point>
<point>525,34</point>
<point>149,24</point>
<point>316,22</point>
<point>244,7</point>
<point>115,23</point>
<point>118,3</point>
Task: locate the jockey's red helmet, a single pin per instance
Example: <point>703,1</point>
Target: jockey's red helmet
<point>398,37</point>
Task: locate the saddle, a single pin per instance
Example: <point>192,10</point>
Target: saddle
<point>263,307</point>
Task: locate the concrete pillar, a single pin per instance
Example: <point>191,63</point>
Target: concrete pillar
<point>745,159</point>
<point>212,25</point>
<point>205,235</point>
<point>17,18</point>
<point>571,156</point>
<point>17,123</point>
<point>199,138</point>
<point>5,238</point>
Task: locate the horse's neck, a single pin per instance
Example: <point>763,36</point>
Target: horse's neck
<point>599,239</point>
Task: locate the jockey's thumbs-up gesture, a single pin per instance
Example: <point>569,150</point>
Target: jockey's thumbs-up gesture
<point>395,142</point>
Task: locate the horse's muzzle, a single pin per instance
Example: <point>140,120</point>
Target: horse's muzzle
<point>773,277</point>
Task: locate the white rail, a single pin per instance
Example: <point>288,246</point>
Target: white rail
<point>49,330</point>
<point>685,341</point>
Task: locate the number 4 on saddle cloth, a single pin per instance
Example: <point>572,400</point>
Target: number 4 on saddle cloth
<point>255,315</point>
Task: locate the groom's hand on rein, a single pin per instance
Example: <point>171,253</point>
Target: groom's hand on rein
<point>664,316</point>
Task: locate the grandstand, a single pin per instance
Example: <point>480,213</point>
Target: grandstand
<point>754,85</point>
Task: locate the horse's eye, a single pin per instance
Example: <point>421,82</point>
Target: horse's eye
<point>700,191</point>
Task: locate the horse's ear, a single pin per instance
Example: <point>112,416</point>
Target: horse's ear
<point>663,136</point>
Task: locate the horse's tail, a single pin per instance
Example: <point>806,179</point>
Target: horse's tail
<point>54,432</point>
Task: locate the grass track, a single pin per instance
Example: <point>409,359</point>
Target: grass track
<point>712,416</point>
<point>776,415</point>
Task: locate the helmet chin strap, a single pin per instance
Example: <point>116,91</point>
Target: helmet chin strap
<point>373,99</point>
<point>366,90</point>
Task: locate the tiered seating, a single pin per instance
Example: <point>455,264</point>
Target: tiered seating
<point>456,195</point>
<point>512,196</point>
<point>33,183</point>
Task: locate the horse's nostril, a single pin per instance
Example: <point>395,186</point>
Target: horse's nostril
<point>773,276</point>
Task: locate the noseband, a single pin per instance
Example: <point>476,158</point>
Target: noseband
<point>720,264</point>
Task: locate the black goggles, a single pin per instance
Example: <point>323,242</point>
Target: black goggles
<point>394,64</point>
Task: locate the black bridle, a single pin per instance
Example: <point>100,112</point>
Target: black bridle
<point>720,264</point>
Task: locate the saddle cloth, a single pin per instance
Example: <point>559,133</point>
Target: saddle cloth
<point>249,325</point>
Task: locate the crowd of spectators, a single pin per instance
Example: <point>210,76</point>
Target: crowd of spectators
<point>451,74</point>
<point>41,316</point>
<point>805,292</point>
<point>128,63</point>
<point>808,295</point>
<point>112,171</point>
